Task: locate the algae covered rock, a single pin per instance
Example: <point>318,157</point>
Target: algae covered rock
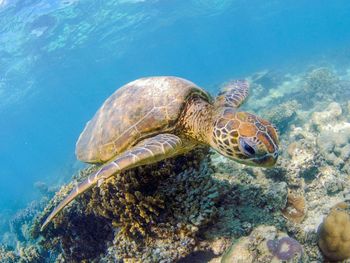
<point>334,233</point>
<point>282,114</point>
<point>321,81</point>
<point>295,209</point>
<point>324,120</point>
<point>333,137</point>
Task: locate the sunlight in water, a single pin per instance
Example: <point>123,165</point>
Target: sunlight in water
<point>282,72</point>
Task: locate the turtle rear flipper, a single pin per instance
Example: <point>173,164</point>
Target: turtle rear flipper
<point>148,151</point>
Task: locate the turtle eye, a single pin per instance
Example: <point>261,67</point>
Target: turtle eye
<point>247,149</point>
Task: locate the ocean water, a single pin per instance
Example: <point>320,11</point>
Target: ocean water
<point>60,59</point>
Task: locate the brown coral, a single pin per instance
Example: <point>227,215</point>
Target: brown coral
<point>125,201</point>
<point>295,209</point>
<point>151,213</point>
<point>334,233</point>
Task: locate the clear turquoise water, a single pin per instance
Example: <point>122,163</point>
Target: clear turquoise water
<point>59,60</point>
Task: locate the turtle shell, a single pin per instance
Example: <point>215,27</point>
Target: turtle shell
<point>139,109</point>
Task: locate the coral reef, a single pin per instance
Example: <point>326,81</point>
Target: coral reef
<point>265,244</point>
<point>321,81</point>
<point>8,255</point>
<point>285,248</point>
<point>21,221</point>
<point>314,178</point>
<point>334,135</point>
<point>334,233</point>
<point>251,200</point>
<point>138,214</point>
<point>20,247</point>
<point>282,114</point>
<point>295,209</point>
<point>22,254</point>
<point>313,171</point>
<point>31,253</point>
<point>190,208</point>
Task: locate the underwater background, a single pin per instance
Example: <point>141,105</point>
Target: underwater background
<point>60,59</point>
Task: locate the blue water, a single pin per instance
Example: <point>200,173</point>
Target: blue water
<point>59,60</point>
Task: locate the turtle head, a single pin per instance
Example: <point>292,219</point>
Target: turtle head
<point>245,138</point>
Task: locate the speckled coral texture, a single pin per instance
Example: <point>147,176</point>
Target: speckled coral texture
<point>149,213</point>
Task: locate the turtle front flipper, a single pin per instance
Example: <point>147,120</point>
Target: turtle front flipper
<point>148,151</point>
<point>233,94</point>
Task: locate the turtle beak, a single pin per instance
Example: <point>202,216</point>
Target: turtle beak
<point>267,161</point>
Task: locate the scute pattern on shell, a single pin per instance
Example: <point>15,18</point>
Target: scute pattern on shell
<point>137,110</point>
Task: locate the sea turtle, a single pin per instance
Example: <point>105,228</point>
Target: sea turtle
<point>154,118</point>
